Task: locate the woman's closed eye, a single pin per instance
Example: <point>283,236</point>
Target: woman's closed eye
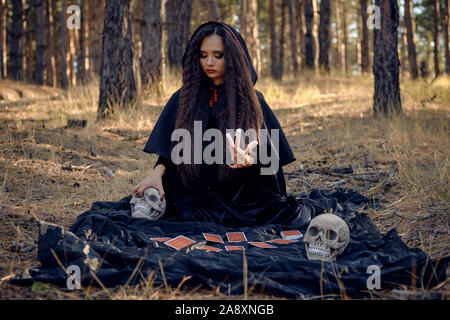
<point>218,56</point>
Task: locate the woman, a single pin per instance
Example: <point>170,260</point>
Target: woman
<point>218,92</point>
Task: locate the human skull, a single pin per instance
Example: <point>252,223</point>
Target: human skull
<point>327,237</point>
<point>149,206</point>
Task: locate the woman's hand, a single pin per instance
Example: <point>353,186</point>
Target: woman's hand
<point>153,180</point>
<point>241,158</point>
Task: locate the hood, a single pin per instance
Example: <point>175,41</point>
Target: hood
<point>237,36</point>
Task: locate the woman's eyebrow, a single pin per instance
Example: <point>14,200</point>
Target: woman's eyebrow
<point>215,51</point>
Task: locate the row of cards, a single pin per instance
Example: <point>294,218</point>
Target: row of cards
<point>181,242</point>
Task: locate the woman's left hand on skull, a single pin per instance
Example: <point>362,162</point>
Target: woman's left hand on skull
<point>241,158</point>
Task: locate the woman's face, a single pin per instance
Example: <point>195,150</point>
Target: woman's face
<point>212,58</point>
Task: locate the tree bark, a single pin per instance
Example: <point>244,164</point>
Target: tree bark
<point>213,9</point>
<point>281,45</point>
<point>273,41</point>
<point>446,32</point>
<point>50,68</point>
<point>15,34</point>
<point>250,32</point>
<point>436,37</point>
<point>300,6</point>
<point>365,57</point>
<point>345,39</point>
<point>324,35</point>
<point>293,37</point>
<point>310,48</point>
<point>410,31</point>
<point>386,64</point>
<point>117,83</point>
<point>64,79</point>
<point>2,38</point>
<point>151,35</point>
<point>177,13</point>
<point>81,59</point>
<point>40,42</point>
<point>96,18</point>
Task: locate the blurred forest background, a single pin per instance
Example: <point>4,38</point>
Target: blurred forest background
<point>83,82</point>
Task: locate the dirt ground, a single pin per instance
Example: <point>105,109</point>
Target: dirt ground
<point>52,169</point>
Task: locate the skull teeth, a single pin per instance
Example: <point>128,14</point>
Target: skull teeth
<point>318,252</point>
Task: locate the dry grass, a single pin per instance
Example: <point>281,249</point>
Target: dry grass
<point>328,123</point>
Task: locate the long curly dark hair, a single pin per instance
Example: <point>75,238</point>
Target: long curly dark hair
<point>242,108</point>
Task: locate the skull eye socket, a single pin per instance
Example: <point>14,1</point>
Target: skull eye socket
<point>313,231</point>
<point>331,235</point>
<point>153,198</point>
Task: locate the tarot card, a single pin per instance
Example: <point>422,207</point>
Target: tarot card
<point>161,239</point>
<point>179,242</point>
<point>282,241</point>
<point>209,248</point>
<point>291,234</point>
<point>212,237</point>
<point>236,237</point>
<point>234,248</point>
<point>262,245</point>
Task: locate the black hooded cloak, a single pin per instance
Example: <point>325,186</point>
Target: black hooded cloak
<point>248,198</point>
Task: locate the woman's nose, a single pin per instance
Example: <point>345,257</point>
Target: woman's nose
<point>210,61</point>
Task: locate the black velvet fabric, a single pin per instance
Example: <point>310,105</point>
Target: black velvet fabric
<point>106,242</point>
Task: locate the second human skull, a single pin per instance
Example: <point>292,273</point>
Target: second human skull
<point>327,237</point>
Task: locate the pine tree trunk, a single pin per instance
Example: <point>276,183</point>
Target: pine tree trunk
<point>436,37</point>
<point>345,39</point>
<point>273,41</point>
<point>81,59</point>
<point>300,6</point>
<point>340,39</point>
<point>213,9</point>
<point>324,35</point>
<point>410,31</point>
<point>358,41</point>
<point>50,72</point>
<point>293,37</point>
<point>250,32</point>
<point>40,42</point>
<point>64,79</point>
<point>117,84</point>
<point>177,12</point>
<point>151,35</point>
<point>310,49</point>
<point>2,39</point>
<point>365,57</point>
<point>446,32</point>
<point>281,45</point>
<point>15,34</point>
<point>386,65</point>
<point>96,18</point>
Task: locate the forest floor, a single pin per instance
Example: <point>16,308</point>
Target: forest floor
<point>53,165</point>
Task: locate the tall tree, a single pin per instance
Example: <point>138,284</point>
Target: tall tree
<point>365,57</point>
<point>117,84</point>
<point>345,34</point>
<point>40,42</point>
<point>177,13</point>
<point>436,37</point>
<point>410,35</point>
<point>310,48</point>
<point>81,61</point>
<point>2,38</point>
<point>324,34</point>
<point>63,66</point>
<point>14,39</point>
<point>446,32</point>
<point>213,10</point>
<point>151,35</point>
<point>275,68</point>
<point>293,36</point>
<point>250,31</point>
<point>50,67</point>
<point>386,64</point>
<point>96,17</point>
<point>281,45</point>
<point>300,6</point>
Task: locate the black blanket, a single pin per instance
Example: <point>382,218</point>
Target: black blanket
<point>106,241</point>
